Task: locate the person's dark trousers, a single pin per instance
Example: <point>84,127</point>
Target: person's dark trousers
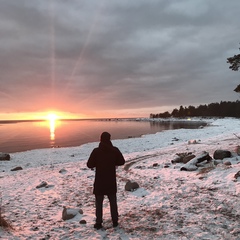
<point>113,207</point>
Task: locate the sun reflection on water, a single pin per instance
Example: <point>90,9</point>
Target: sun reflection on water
<point>52,118</point>
<point>52,129</point>
<point>51,121</point>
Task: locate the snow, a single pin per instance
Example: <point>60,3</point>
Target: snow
<point>170,204</point>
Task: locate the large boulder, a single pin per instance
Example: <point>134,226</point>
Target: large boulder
<point>4,156</point>
<point>221,154</point>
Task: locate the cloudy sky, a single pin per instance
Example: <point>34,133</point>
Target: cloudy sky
<point>102,58</point>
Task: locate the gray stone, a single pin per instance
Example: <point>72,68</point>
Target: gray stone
<point>237,175</point>
<point>62,170</point>
<point>228,163</point>
<point>4,157</point>
<point>131,186</point>
<point>221,154</point>
<point>42,184</point>
<point>177,159</point>
<point>17,169</point>
<point>69,213</point>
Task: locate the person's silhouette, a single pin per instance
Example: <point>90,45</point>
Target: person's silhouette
<point>104,159</point>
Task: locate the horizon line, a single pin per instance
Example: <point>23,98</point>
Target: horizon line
<point>65,119</point>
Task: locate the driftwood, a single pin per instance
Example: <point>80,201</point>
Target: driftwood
<point>192,164</point>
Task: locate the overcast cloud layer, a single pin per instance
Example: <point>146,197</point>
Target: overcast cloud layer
<point>122,56</point>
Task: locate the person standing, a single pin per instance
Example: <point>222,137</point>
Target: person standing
<point>104,159</point>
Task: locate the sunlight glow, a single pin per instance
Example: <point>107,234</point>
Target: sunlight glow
<point>52,117</point>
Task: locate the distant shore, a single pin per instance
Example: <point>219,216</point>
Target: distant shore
<point>71,119</point>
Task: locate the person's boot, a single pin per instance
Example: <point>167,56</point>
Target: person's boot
<point>98,226</point>
<point>115,224</point>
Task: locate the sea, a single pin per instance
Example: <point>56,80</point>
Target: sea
<point>18,136</point>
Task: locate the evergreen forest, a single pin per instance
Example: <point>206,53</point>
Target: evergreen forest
<point>222,109</point>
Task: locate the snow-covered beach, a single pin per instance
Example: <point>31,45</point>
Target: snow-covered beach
<point>170,204</point>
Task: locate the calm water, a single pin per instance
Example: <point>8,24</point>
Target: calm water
<point>22,136</point>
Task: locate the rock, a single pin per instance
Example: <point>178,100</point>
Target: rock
<point>62,170</point>
<point>42,184</point>
<point>83,221</point>
<point>131,186</point>
<point>192,164</point>
<point>177,159</point>
<point>237,175</point>
<point>155,165</point>
<point>69,213</point>
<point>228,163</point>
<point>221,154</point>
<point>17,169</point>
<point>4,157</point>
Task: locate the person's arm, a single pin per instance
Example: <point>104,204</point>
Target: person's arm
<point>120,159</point>
<point>91,163</point>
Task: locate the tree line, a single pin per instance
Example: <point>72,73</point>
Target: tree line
<point>222,109</point>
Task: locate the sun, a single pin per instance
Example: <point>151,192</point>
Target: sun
<point>56,116</point>
<point>52,117</point>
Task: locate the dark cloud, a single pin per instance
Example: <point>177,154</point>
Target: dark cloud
<point>115,56</point>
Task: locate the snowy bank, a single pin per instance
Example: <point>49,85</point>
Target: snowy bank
<point>170,204</point>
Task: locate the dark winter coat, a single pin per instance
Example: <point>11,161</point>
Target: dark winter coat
<point>105,158</point>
